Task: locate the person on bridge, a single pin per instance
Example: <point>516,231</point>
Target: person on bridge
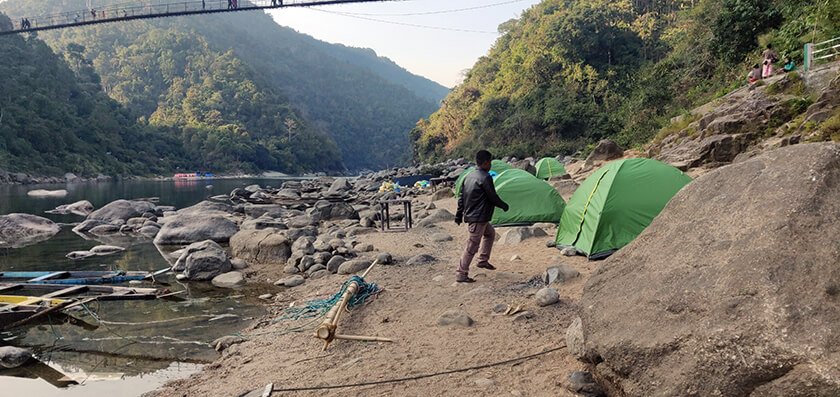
<point>203,5</point>
<point>475,206</point>
<point>93,13</point>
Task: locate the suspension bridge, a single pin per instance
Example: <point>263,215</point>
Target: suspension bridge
<point>149,9</point>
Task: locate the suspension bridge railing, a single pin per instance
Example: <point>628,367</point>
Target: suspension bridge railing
<point>819,52</point>
<point>153,9</point>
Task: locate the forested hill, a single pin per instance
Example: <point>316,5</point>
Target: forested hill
<point>364,103</point>
<point>570,72</point>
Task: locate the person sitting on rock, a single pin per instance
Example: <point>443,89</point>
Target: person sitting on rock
<point>789,65</point>
<point>755,74</point>
<point>475,206</point>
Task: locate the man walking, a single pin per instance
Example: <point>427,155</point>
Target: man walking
<point>475,206</point>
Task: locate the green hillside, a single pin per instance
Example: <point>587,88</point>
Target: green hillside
<point>364,103</point>
<point>568,73</point>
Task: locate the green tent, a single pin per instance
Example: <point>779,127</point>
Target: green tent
<point>616,203</point>
<point>549,167</point>
<point>498,166</point>
<point>531,199</point>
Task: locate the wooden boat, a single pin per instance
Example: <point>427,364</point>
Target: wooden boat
<point>77,277</point>
<point>19,300</point>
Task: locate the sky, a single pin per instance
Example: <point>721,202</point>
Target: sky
<point>438,54</point>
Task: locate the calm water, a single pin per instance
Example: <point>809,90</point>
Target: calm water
<point>140,344</point>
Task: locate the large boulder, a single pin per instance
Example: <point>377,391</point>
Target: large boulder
<point>438,216</point>
<point>606,150</point>
<point>207,220</point>
<point>207,263</point>
<point>264,246</point>
<point>339,187</point>
<point>83,208</point>
<point>733,290</point>
<point>326,210</point>
<point>19,230</point>
<point>122,209</point>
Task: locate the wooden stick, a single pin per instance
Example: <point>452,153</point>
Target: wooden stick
<point>364,338</point>
<point>327,329</point>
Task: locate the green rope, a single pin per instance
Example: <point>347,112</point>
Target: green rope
<point>319,307</point>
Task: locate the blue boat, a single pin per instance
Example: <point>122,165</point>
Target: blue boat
<point>76,277</point>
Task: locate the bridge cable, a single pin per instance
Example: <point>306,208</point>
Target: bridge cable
<point>436,12</point>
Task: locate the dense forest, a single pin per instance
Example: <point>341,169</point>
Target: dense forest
<point>570,72</point>
<point>240,92</point>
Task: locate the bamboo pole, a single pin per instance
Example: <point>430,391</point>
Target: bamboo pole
<point>327,330</point>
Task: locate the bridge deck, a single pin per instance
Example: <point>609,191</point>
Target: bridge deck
<point>148,9</point>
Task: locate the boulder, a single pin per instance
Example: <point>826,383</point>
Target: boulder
<point>47,193</point>
<point>83,208</point>
<point>385,258</point>
<point>732,290</point>
<point>302,221</point>
<point>13,357</point>
<point>202,261</point>
<point>583,384</point>
<point>354,266</point>
<point>261,246</point>
<point>454,317</point>
<point>19,230</point>
<point>188,228</point>
<point>606,150</point>
<point>229,280</point>
<point>441,237</point>
<point>437,216</point>
<point>443,193</point>
<point>76,255</point>
<point>574,340</point>
<point>122,209</point>
<point>149,231</point>
<point>334,263</point>
<point>263,222</point>
<point>559,274</point>
<point>525,165</point>
<point>259,210</point>
<point>304,245</point>
<point>422,259</point>
<point>327,210</point>
<point>547,296</point>
<point>339,187</point>
<point>517,235</point>
<point>290,282</point>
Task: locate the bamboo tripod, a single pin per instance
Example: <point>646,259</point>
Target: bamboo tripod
<point>328,330</point>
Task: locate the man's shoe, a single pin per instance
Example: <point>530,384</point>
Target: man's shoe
<point>487,266</point>
<point>465,280</point>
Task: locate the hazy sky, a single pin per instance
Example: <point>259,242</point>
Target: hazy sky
<point>440,55</point>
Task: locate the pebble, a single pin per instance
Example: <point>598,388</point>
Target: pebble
<point>547,296</point>
<point>581,382</point>
<point>484,382</point>
<point>385,258</point>
<point>420,260</point>
<point>454,317</point>
<point>569,251</point>
<point>500,308</point>
<point>439,278</point>
<point>515,258</point>
<point>441,237</point>
<point>266,296</point>
<point>523,316</point>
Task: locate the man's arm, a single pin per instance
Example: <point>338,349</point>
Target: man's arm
<point>490,192</point>
<point>459,213</point>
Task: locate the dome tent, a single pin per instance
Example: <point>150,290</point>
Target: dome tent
<point>497,166</point>
<point>549,167</point>
<point>616,203</point>
<point>531,199</point>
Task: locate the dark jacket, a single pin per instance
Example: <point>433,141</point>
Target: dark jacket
<point>478,198</point>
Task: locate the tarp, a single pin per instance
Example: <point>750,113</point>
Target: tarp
<point>549,167</point>
<point>531,199</point>
<point>497,166</point>
<point>616,203</point>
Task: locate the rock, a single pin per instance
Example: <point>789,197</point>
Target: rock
<point>19,230</point>
<point>484,382</point>
<point>291,268</point>
<point>322,246</point>
<point>443,193</point>
<point>525,165</point>
<point>732,290</point>
<point>122,209</point>
<point>339,187</point>
<point>522,317</point>
<point>559,274</point>
<point>302,221</point>
<point>304,245</point>
<point>189,228</point>
<point>454,317</point>
<point>269,210</point>
<point>566,187</point>
<point>574,340</point>
<point>106,249</point>
<point>13,357</point>
<point>335,262</point>
<point>104,229</point>
<point>85,226</point>
<point>569,251</point>
<point>70,177</point>
<point>252,188</point>
<point>229,280</point>
<point>46,193</point>
<point>327,210</point>
<point>305,263</point>
<point>385,258</point>
<point>265,296</point>
<point>238,264</point>
<point>515,258</point>
<point>322,257</point>
<point>441,237</point>
<point>149,231</point>
<point>204,260</point>
<point>226,341</point>
<point>499,308</point>
<point>551,244</point>
<point>364,248</point>
<point>366,222</point>
<point>315,268</point>
<point>606,150</point>
<point>430,206</point>
<point>437,216</point>
<point>422,259</point>
<point>290,282</point>
<point>263,223</point>
<point>319,274</point>
<point>336,243</point>
<point>265,247</point>
<point>354,266</point>
<point>517,235</point>
<point>75,255</point>
<point>582,383</point>
<point>547,296</point>
<point>83,208</point>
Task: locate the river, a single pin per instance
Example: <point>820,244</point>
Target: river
<point>139,345</point>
